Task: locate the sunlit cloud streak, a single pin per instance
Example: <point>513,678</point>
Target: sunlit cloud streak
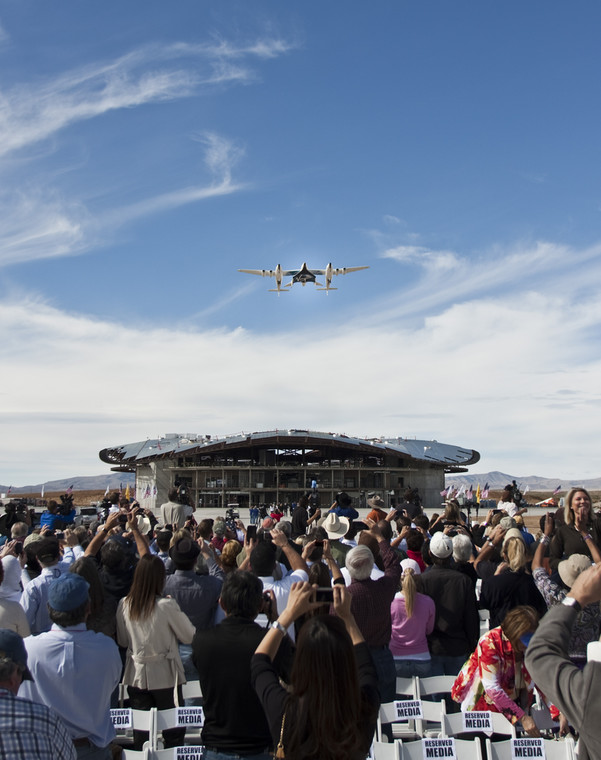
<point>30,113</point>
<point>506,272</point>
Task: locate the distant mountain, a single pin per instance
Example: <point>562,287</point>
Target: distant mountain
<point>498,480</point>
<point>92,483</point>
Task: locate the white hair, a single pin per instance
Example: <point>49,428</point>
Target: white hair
<point>462,548</point>
<point>359,562</point>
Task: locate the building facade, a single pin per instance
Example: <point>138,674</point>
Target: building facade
<point>279,466</point>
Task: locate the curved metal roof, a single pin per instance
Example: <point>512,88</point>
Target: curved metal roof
<point>433,452</point>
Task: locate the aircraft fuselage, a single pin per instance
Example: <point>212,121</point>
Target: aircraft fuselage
<point>304,276</point>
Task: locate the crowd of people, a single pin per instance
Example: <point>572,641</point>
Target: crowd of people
<point>296,629</point>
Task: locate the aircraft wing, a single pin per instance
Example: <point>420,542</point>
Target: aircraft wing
<point>271,272</point>
<point>344,270</point>
<point>260,272</point>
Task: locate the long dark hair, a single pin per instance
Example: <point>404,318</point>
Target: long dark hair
<point>148,582</point>
<point>324,711</point>
<point>87,568</point>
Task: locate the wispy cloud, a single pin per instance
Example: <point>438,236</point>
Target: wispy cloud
<point>30,113</point>
<point>221,155</point>
<point>432,260</point>
<point>33,227</point>
<point>511,272</point>
<point>39,222</point>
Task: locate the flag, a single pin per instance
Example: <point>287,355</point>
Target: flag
<point>478,493</point>
<point>470,493</point>
<point>525,491</point>
<point>444,493</point>
<point>485,491</point>
<point>557,490</point>
<point>460,491</point>
<point>127,491</point>
<point>10,488</point>
<point>70,490</point>
<point>147,492</point>
<point>154,491</point>
<point>42,493</point>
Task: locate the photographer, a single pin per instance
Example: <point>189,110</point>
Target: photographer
<point>14,512</point>
<point>512,501</point>
<point>58,516</point>
<point>178,509</point>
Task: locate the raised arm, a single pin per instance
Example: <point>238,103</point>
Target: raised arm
<point>101,535</point>
<point>581,523</point>
<point>300,601</point>
<point>494,540</point>
<point>545,540</point>
<point>342,607</point>
<point>142,545</point>
<point>294,558</point>
<point>337,577</point>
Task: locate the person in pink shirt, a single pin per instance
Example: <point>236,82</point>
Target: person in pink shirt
<point>412,616</point>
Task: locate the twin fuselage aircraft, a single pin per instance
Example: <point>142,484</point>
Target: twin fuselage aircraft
<point>302,275</point>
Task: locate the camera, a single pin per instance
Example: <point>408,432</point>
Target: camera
<point>324,594</point>
<point>231,515</point>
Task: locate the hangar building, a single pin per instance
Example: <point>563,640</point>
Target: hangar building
<point>251,469</point>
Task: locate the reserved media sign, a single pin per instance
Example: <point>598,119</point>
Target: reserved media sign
<point>434,748</point>
<point>475,720</point>
<point>407,708</point>
<point>521,748</point>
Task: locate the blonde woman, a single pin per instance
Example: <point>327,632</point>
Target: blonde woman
<point>511,585</point>
<point>581,531</point>
<point>412,617</point>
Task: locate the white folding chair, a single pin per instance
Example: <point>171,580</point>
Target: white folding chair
<point>554,750</point>
<point>484,621</point>
<point>406,687</point>
<point>409,728</point>
<point>132,754</point>
<point>434,685</point>
<point>140,720</point>
<point>465,749</point>
<point>165,719</point>
<point>453,725</point>
<point>192,690</point>
<point>384,751</point>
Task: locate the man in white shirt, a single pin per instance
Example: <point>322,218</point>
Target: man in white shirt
<point>263,562</point>
<point>35,594</point>
<point>75,670</point>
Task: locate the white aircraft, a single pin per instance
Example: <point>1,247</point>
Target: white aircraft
<point>302,275</point>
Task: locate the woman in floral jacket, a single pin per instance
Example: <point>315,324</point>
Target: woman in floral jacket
<point>495,677</point>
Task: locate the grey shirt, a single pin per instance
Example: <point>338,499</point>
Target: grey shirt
<point>197,595</point>
<point>573,691</point>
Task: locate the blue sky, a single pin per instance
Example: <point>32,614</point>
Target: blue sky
<point>150,150</point>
